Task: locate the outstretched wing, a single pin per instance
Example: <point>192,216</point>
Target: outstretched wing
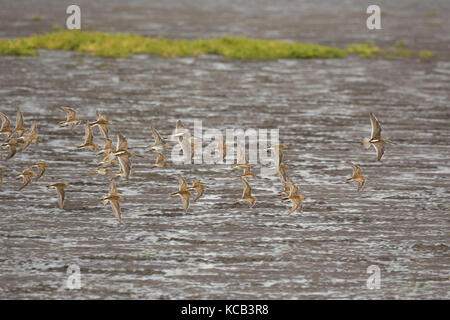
<point>158,139</point>
<point>356,169</point>
<point>112,188</point>
<point>61,196</point>
<point>376,127</point>
<point>71,114</point>
<point>125,164</point>
<point>19,119</point>
<point>247,189</point>
<point>361,185</point>
<point>116,209</point>
<point>185,198</point>
<point>183,185</point>
<point>122,144</point>
<point>5,121</point>
<point>380,149</point>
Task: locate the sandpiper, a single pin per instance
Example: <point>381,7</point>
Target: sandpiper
<point>113,198</point>
<point>102,123</point>
<point>375,139</point>
<point>88,139</point>
<point>71,118</point>
<point>59,186</point>
<point>41,167</point>
<point>26,175</point>
<point>160,163</point>
<point>5,129</point>
<point>356,176</point>
<point>199,187</point>
<point>247,194</point>
<point>183,192</point>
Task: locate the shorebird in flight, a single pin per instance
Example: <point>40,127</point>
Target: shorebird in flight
<point>199,187</point>
<point>72,119</point>
<point>113,198</point>
<point>160,163</point>
<point>247,194</point>
<point>5,129</point>
<point>59,186</point>
<point>242,161</point>
<point>375,139</point>
<point>183,192</point>
<point>102,123</point>
<point>88,139</point>
<point>160,144</point>
<point>356,176</point>
<point>41,166</point>
<point>19,129</point>
<point>26,175</point>
<point>13,143</point>
<point>30,138</point>
<point>295,198</point>
<point>123,155</point>
<point>222,149</point>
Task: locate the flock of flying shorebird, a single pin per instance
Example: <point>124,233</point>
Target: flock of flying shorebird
<point>119,155</point>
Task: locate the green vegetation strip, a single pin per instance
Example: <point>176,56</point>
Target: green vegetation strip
<point>123,45</point>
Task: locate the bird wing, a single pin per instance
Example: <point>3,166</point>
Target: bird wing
<point>247,189</point>
<point>116,209</point>
<point>183,185</point>
<point>361,185</point>
<point>88,136</point>
<point>12,151</point>
<point>122,144</point>
<point>380,149</point>
<point>104,130</point>
<point>158,139</point>
<point>26,180</point>
<point>160,158</point>
<point>71,114</point>
<point>356,169</point>
<point>376,127</point>
<point>125,164</point>
<point>61,196</point>
<point>19,120</point>
<point>185,198</point>
<point>112,188</point>
<point>5,121</point>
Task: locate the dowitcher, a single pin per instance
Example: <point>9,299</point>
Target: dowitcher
<point>160,163</point>
<point>26,175</point>
<point>41,166</point>
<point>247,194</point>
<point>102,123</point>
<point>199,187</point>
<point>375,139</point>
<point>113,198</point>
<point>183,192</point>
<point>5,129</point>
<point>356,176</point>
<point>88,139</point>
<point>59,186</point>
<point>108,148</point>
<point>295,198</point>
<point>71,118</point>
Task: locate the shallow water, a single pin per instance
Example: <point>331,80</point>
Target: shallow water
<point>221,249</point>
